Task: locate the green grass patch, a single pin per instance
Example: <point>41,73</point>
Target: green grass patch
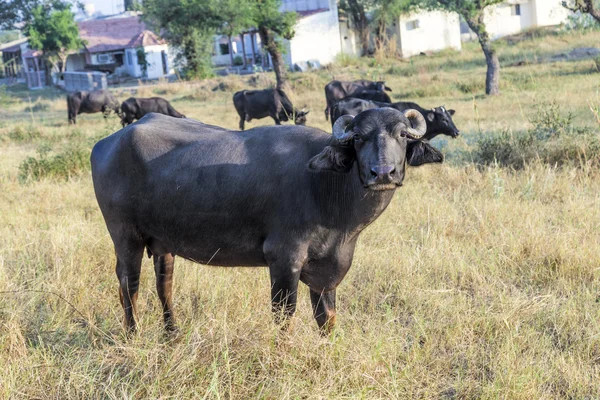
<point>63,165</point>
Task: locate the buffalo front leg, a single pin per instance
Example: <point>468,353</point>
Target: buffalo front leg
<point>242,123</point>
<point>163,268</point>
<point>284,294</point>
<point>323,305</point>
<point>129,264</point>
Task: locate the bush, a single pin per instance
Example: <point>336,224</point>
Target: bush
<point>237,61</point>
<point>552,140</point>
<point>20,134</point>
<point>62,166</point>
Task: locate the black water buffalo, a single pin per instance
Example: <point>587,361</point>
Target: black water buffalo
<point>90,102</point>
<point>274,103</point>
<point>292,198</point>
<point>337,90</point>
<point>374,95</point>
<point>439,119</point>
<point>136,107</point>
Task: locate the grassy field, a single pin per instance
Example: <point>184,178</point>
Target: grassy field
<point>478,282</point>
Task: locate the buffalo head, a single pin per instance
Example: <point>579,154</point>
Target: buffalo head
<point>441,121</point>
<point>300,117</point>
<point>380,141</point>
<point>381,86</point>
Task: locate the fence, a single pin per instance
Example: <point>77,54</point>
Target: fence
<point>84,81</point>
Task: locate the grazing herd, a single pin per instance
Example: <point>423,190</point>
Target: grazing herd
<point>103,101</point>
<point>292,198</point>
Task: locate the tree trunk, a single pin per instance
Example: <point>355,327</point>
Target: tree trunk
<point>279,66</point>
<point>492,79</point>
<point>243,50</point>
<point>252,37</point>
<point>230,50</point>
<point>361,23</point>
<point>584,6</point>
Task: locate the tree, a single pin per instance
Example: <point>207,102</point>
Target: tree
<point>16,12</point>
<point>52,29</point>
<point>189,25</point>
<point>384,13</point>
<point>357,12</point>
<point>473,12</point>
<point>273,26</point>
<point>584,6</point>
<point>237,17</point>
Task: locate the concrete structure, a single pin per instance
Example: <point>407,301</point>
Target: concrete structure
<point>116,45</point>
<point>316,41</point>
<point>424,31</point>
<point>514,16</point>
<point>11,54</point>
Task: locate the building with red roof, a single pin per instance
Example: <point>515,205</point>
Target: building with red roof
<point>119,45</point>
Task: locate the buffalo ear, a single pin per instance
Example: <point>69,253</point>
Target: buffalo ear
<point>430,116</point>
<point>451,112</point>
<point>419,153</point>
<point>333,158</point>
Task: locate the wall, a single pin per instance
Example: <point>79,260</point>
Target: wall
<point>155,60</point>
<point>437,31</point>
<point>500,22</point>
<point>550,12</point>
<point>75,62</point>
<point>317,38</point>
<point>350,42</point>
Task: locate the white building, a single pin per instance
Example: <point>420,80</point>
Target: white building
<point>515,16</point>
<point>414,33</point>
<point>316,39</point>
<point>427,31</point>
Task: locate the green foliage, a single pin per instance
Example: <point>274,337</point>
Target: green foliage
<point>62,166</point>
<point>24,134</point>
<point>142,61</point>
<point>53,30</point>
<point>8,36</point>
<point>553,140</point>
<point>192,24</point>
<point>15,12</point>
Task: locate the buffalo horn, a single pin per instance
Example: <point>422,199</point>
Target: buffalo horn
<point>419,125</point>
<point>339,128</point>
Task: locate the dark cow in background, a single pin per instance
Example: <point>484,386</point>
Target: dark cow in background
<point>337,90</point>
<point>439,119</point>
<point>91,102</point>
<point>292,198</point>
<point>274,103</point>
<point>374,95</point>
<point>136,107</point>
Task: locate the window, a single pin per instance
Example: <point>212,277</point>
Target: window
<point>515,10</point>
<point>129,58</point>
<point>412,25</point>
<point>224,47</point>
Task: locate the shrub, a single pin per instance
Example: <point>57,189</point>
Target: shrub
<point>62,166</point>
<point>21,134</point>
<point>552,140</point>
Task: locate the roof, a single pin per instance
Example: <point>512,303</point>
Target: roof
<point>116,34</point>
<point>32,53</point>
<point>13,46</point>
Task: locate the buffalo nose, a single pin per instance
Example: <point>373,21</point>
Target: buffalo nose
<point>383,173</point>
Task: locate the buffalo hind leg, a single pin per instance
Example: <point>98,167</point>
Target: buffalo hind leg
<point>242,123</point>
<point>163,268</point>
<point>323,305</point>
<point>129,264</point>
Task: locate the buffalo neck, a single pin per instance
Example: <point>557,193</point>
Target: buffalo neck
<point>344,203</point>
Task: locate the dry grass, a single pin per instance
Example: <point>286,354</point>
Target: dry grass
<point>474,284</point>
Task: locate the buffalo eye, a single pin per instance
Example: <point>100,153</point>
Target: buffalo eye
<point>356,137</point>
